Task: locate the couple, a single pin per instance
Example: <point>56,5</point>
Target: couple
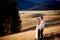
<point>40,28</point>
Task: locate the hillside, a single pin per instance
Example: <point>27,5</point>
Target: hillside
<point>52,33</point>
<point>29,21</point>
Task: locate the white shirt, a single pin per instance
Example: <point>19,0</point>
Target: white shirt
<point>39,27</point>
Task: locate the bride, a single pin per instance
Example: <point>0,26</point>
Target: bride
<point>37,28</point>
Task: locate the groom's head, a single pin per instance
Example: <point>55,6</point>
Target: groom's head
<point>41,17</point>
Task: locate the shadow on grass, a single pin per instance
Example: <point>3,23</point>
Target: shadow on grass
<point>47,25</point>
<point>54,19</point>
<point>31,28</point>
<point>52,36</point>
<point>37,15</point>
<point>34,28</point>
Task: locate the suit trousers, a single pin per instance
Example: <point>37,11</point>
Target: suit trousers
<point>40,34</point>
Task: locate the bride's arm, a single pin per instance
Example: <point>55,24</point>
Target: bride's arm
<point>36,32</point>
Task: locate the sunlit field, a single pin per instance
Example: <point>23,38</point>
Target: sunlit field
<point>29,21</point>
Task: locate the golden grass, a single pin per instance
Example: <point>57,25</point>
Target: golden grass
<point>28,22</point>
<point>30,35</point>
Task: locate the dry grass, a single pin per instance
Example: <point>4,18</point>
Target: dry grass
<point>50,33</point>
<point>28,20</point>
<point>30,35</point>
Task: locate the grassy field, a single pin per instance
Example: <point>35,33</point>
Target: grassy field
<point>52,33</point>
<point>29,21</point>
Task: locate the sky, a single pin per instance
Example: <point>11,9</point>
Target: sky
<point>37,4</point>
